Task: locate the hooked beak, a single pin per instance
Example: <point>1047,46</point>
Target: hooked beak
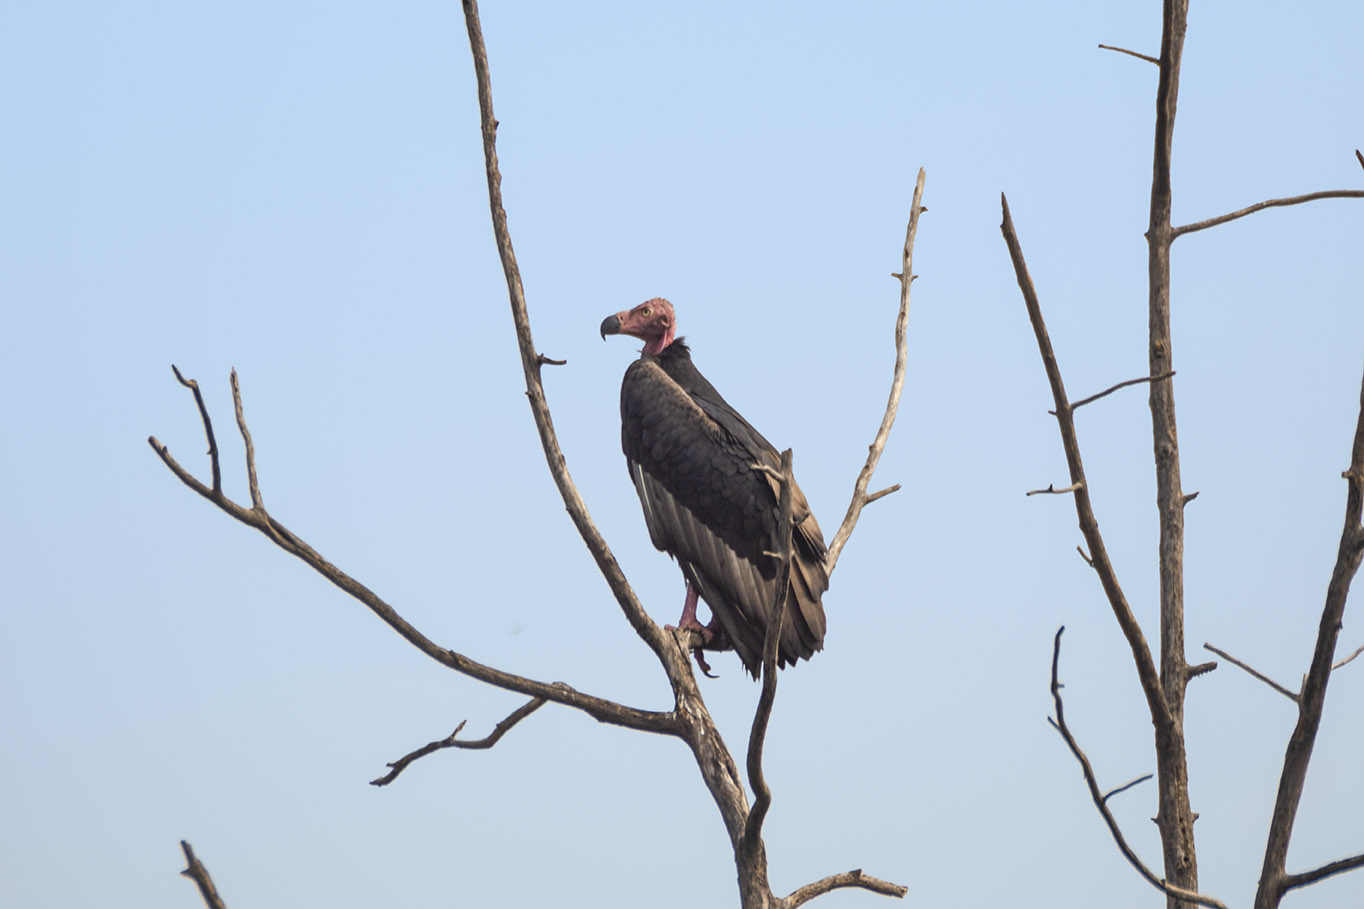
<point>610,326</point>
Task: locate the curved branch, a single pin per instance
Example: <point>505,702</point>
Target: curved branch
<point>762,795</point>
<point>1101,800</point>
<point>1268,203</point>
<point>451,741</point>
<point>1084,509</point>
<point>854,878</point>
<point>193,386</point>
<point>598,708</point>
<point>1108,391</point>
<point>860,499</point>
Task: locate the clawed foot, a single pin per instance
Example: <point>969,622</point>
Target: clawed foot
<point>708,633</point>
<point>707,637</point>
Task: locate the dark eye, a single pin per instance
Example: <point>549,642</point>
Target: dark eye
<point>645,311</point>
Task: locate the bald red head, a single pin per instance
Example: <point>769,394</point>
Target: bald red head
<point>652,321</point>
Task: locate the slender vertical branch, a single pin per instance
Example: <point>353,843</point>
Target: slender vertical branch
<point>1084,508</point>
<point>762,795</point>
<point>906,276</point>
<point>1174,815</point>
<point>1274,882</point>
<point>193,385</point>
<point>644,626</point>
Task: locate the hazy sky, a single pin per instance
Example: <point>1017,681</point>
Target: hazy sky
<point>297,190</point>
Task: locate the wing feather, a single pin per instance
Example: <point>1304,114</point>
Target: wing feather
<point>691,460</point>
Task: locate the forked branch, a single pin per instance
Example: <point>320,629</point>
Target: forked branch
<point>453,741</point>
<point>860,499</point>
<point>256,516</point>
<point>1100,799</point>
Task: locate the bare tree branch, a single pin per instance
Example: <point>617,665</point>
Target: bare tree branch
<point>1051,490</point>
<point>451,741</point>
<point>1122,50</point>
<point>1089,525</point>
<point>854,878</point>
<point>1108,391</point>
<point>880,494</point>
<point>1293,881</point>
<point>634,611</point>
<point>906,276</point>
<point>1174,813</point>
<point>1274,882</point>
<point>693,721</point>
<point>1291,695</point>
<point>689,719</point>
<point>1349,659</point>
<point>193,386</point>
<point>1118,790</point>
<point>599,708</point>
<point>1101,801</point>
<point>196,870</point>
<point>1268,203</point>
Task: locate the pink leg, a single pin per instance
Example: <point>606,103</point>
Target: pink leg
<point>689,622</point>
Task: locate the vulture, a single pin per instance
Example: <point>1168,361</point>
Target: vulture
<point>692,460</point>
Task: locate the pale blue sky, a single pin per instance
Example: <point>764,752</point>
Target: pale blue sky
<point>297,190</point>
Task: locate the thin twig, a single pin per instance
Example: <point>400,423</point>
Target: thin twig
<point>1268,203</point>
<point>193,386</point>
<point>1108,391</point>
<point>252,483</point>
<point>854,878</point>
<point>1116,790</point>
<point>1200,669</point>
<point>1122,50</point>
<point>451,741</point>
<point>199,874</point>
<point>880,494</point>
<point>762,795</point>
<point>1291,695</point>
<point>1051,490</point>
<point>1100,800</point>
<point>1293,881</point>
<point>1358,651</point>
<point>1084,509</point>
<point>860,499</point>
